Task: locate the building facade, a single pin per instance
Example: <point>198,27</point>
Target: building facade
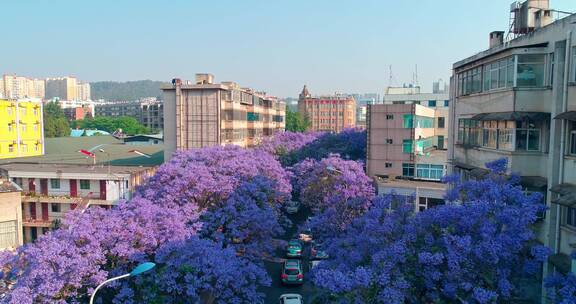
<point>83,91</point>
<point>16,87</point>
<point>10,215</point>
<point>118,109</point>
<point>205,113</point>
<point>21,129</point>
<point>50,190</point>
<point>406,150</point>
<point>517,100</point>
<point>152,114</point>
<point>328,113</point>
<point>63,88</point>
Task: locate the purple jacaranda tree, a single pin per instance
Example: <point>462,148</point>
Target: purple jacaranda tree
<point>66,264</point>
<point>470,250</point>
<point>208,175</point>
<point>248,220</point>
<point>336,190</point>
<point>286,142</point>
<point>197,271</point>
<point>561,288</point>
<point>350,144</point>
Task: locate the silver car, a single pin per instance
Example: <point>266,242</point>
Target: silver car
<point>291,298</point>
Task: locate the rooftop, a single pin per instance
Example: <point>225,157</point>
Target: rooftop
<point>535,38</point>
<point>64,150</point>
<point>8,186</point>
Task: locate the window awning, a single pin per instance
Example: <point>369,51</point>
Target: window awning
<point>564,189</point>
<point>567,194</point>
<point>570,115</point>
<point>534,181</point>
<point>464,166</point>
<point>512,116</point>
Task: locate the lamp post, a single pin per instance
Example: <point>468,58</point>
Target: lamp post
<point>333,169</point>
<point>136,271</point>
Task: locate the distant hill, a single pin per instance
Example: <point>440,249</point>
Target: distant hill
<point>130,90</point>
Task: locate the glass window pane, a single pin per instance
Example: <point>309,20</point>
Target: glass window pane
<point>521,139</point>
<point>533,140</point>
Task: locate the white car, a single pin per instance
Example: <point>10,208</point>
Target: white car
<point>292,207</point>
<point>291,298</point>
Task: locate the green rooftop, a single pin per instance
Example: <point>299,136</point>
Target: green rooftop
<point>64,150</point>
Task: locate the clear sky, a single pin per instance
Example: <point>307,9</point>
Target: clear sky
<point>271,45</point>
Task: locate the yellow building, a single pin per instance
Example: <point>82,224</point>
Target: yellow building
<point>21,128</point>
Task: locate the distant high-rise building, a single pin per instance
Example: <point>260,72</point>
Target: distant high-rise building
<point>83,91</point>
<point>328,113</point>
<point>64,88</point>
<point>15,87</point>
<point>205,113</point>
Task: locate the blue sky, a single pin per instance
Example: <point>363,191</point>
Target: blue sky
<point>276,46</point>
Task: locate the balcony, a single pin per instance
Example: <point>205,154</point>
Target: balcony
<point>64,198</point>
<point>32,222</point>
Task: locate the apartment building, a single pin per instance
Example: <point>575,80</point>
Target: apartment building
<point>21,128</point>
<point>328,113</point>
<point>118,108</point>
<point>205,113</point>
<point>517,100</point>
<point>10,215</point>
<point>64,179</point>
<point>83,91</point>
<point>406,153</point>
<point>152,114</point>
<point>63,88</point>
<point>15,87</point>
<point>148,111</point>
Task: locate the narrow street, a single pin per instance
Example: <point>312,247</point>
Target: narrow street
<point>307,290</point>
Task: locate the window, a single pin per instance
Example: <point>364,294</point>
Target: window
<point>490,134</point>
<point>573,141</point>
<point>432,103</point>
<point>506,139</point>
<point>499,74</point>
<point>530,70</point>
<point>9,110</point>
<point>388,165</point>
<point>24,148</point>
<point>23,111</point>
<point>446,103</point>
<point>407,146</point>
<point>84,184</point>
<point>35,112</point>
<point>571,217</point>
<point>55,207</point>
<point>23,127</point>
<point>54,183</point>
<point>35,127</point>
<point>574,63</point>
<point>441,122</point>
<point>408,121</point>
<point>8,234</point>
<point>389,141</point>
<point>470,81</point>
<point>389,116</point>
<point>9,127</point>
<point>527,136</point>
<point>408,170</point>
<point>11,148</point>
<point>428,171</point>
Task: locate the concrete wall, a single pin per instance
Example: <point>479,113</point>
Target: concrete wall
<point>11,210</point>
<point>169,123</point>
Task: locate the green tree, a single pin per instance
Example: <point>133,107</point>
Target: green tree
<point>295,122</point>
<point>55,123</point>
<point>129,125</point>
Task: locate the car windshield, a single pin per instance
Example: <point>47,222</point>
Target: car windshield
<point>291,271</point>
<point>294,244</point>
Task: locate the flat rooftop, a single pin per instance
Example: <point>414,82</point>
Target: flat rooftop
<point>71,168</point>
<point>64,151</point>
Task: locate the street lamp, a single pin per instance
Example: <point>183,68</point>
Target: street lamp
<point>333,169</point>
<point>136,271</point>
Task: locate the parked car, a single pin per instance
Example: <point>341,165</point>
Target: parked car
<point>291,298</point>
<point>294,249</point>
<point>292,272</point>
<point>292,207</point>
<point>317,252</point>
